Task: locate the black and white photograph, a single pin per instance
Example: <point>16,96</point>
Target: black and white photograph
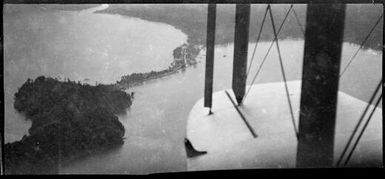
<point>142,88</point>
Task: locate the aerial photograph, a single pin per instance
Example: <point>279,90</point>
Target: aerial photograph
<point>152,88</point>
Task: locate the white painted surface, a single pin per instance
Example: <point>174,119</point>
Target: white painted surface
<point>230,144</point>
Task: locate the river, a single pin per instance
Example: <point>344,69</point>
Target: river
<point>89,47</point>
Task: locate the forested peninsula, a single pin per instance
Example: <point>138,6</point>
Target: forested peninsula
<point>191,19</point>
<point>70,120</point>
<point>184,56</point>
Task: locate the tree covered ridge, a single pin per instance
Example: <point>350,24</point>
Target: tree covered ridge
<point>192,20</point>
<point>69,120</point>
<point>184,56</point>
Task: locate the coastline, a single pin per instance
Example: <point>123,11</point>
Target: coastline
<point>184,57</point>
<point>193,22</point>
<point>69,121</point>
<point>176,70</point>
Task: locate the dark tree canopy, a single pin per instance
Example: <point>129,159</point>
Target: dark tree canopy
<point>69,120</point>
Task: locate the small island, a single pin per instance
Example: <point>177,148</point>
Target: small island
<point>70,120</point>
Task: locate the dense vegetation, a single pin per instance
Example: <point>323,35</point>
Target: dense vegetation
<point>186,51</point>
<point>191,19</point>
<point>135,79</point>
<point>191,51</point>
<point>69,120</point>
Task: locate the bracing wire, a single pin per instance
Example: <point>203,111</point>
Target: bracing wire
<point>257,40</point>
<point>301,27</point>
<point>276,33</point>
<point>268,51</point>
<point>370,101</point>
<point>283,72</point>
<point>298,22</point>
<point>363,130</point>
<point>368,105</point>
<point>361,45</point>
<point>359,123</point>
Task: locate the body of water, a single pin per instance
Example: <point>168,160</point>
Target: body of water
<point>102,47</point>
<point>79,45</point>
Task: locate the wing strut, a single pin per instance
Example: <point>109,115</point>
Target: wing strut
<point>210,43</point>
<point>320,78</point>
<point>241,42</point>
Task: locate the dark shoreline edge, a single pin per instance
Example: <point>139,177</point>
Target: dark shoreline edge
<point>191,20</point>
<point>70,121</point>
<point>184,57</point>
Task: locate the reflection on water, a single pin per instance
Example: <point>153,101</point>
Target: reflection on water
<point>103,47</point>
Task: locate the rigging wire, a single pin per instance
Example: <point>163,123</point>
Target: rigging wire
<point>359,123</point>
<point>362,131</point>
<point>361,45</point>
<point>283,72</point>
<point>301,27</point>
<point>345,68</point>
<point>370,101</point>
<point>282,68</point>
<point>257,40</point>
<point>298,22</point>
<point>268,51</point>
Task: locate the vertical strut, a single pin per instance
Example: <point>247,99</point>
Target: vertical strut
<point>210,43</point>
<point>241,41</point>
<point>321,65</point>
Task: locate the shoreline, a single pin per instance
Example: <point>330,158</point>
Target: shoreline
<point>148,76</point>
<point>184,57</point>
<point>196,32</point>
<point>70,121</point>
